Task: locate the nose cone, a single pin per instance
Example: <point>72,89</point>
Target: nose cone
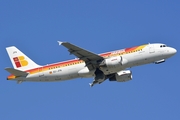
<point>173,51</point>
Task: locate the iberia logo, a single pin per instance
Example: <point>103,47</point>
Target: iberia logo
<point>20,61</point>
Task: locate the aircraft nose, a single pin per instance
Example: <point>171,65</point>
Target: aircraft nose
<point>173,51</point>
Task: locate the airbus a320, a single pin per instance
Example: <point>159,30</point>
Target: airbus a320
<point>111,65</point>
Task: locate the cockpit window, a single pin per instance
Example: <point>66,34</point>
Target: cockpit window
<point>163,46</point>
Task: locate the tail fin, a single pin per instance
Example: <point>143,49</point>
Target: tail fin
<point>19,60</point>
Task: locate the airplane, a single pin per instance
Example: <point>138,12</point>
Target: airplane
<point>110,65</point>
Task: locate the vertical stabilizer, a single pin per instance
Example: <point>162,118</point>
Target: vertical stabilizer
<point>19,60</point>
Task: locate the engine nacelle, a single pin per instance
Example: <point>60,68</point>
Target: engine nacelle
<point>122,76</point>
<point>113,62</point>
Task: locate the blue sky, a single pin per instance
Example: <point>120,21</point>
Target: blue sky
<point>99,26</point>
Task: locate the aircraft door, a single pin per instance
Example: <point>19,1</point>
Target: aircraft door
<point>151,48</point>
<point>41,73</point>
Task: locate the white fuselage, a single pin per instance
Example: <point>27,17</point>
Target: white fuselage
<point>149,54</point>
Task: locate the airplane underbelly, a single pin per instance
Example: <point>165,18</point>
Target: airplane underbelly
<point>66,73</point>
<point>108,71</point>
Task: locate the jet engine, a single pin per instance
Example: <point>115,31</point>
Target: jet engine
<point>122,76</point>
<point>113,62</point>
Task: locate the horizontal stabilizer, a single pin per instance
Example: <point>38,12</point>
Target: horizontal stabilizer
<point>16,72</point>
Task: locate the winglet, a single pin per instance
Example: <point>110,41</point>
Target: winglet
<point>59,42</point>
<point>90,84</point>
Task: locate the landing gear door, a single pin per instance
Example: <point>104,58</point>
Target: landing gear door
<point>151,48</point>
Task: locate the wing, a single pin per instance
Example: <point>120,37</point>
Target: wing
<point>91,59</point>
